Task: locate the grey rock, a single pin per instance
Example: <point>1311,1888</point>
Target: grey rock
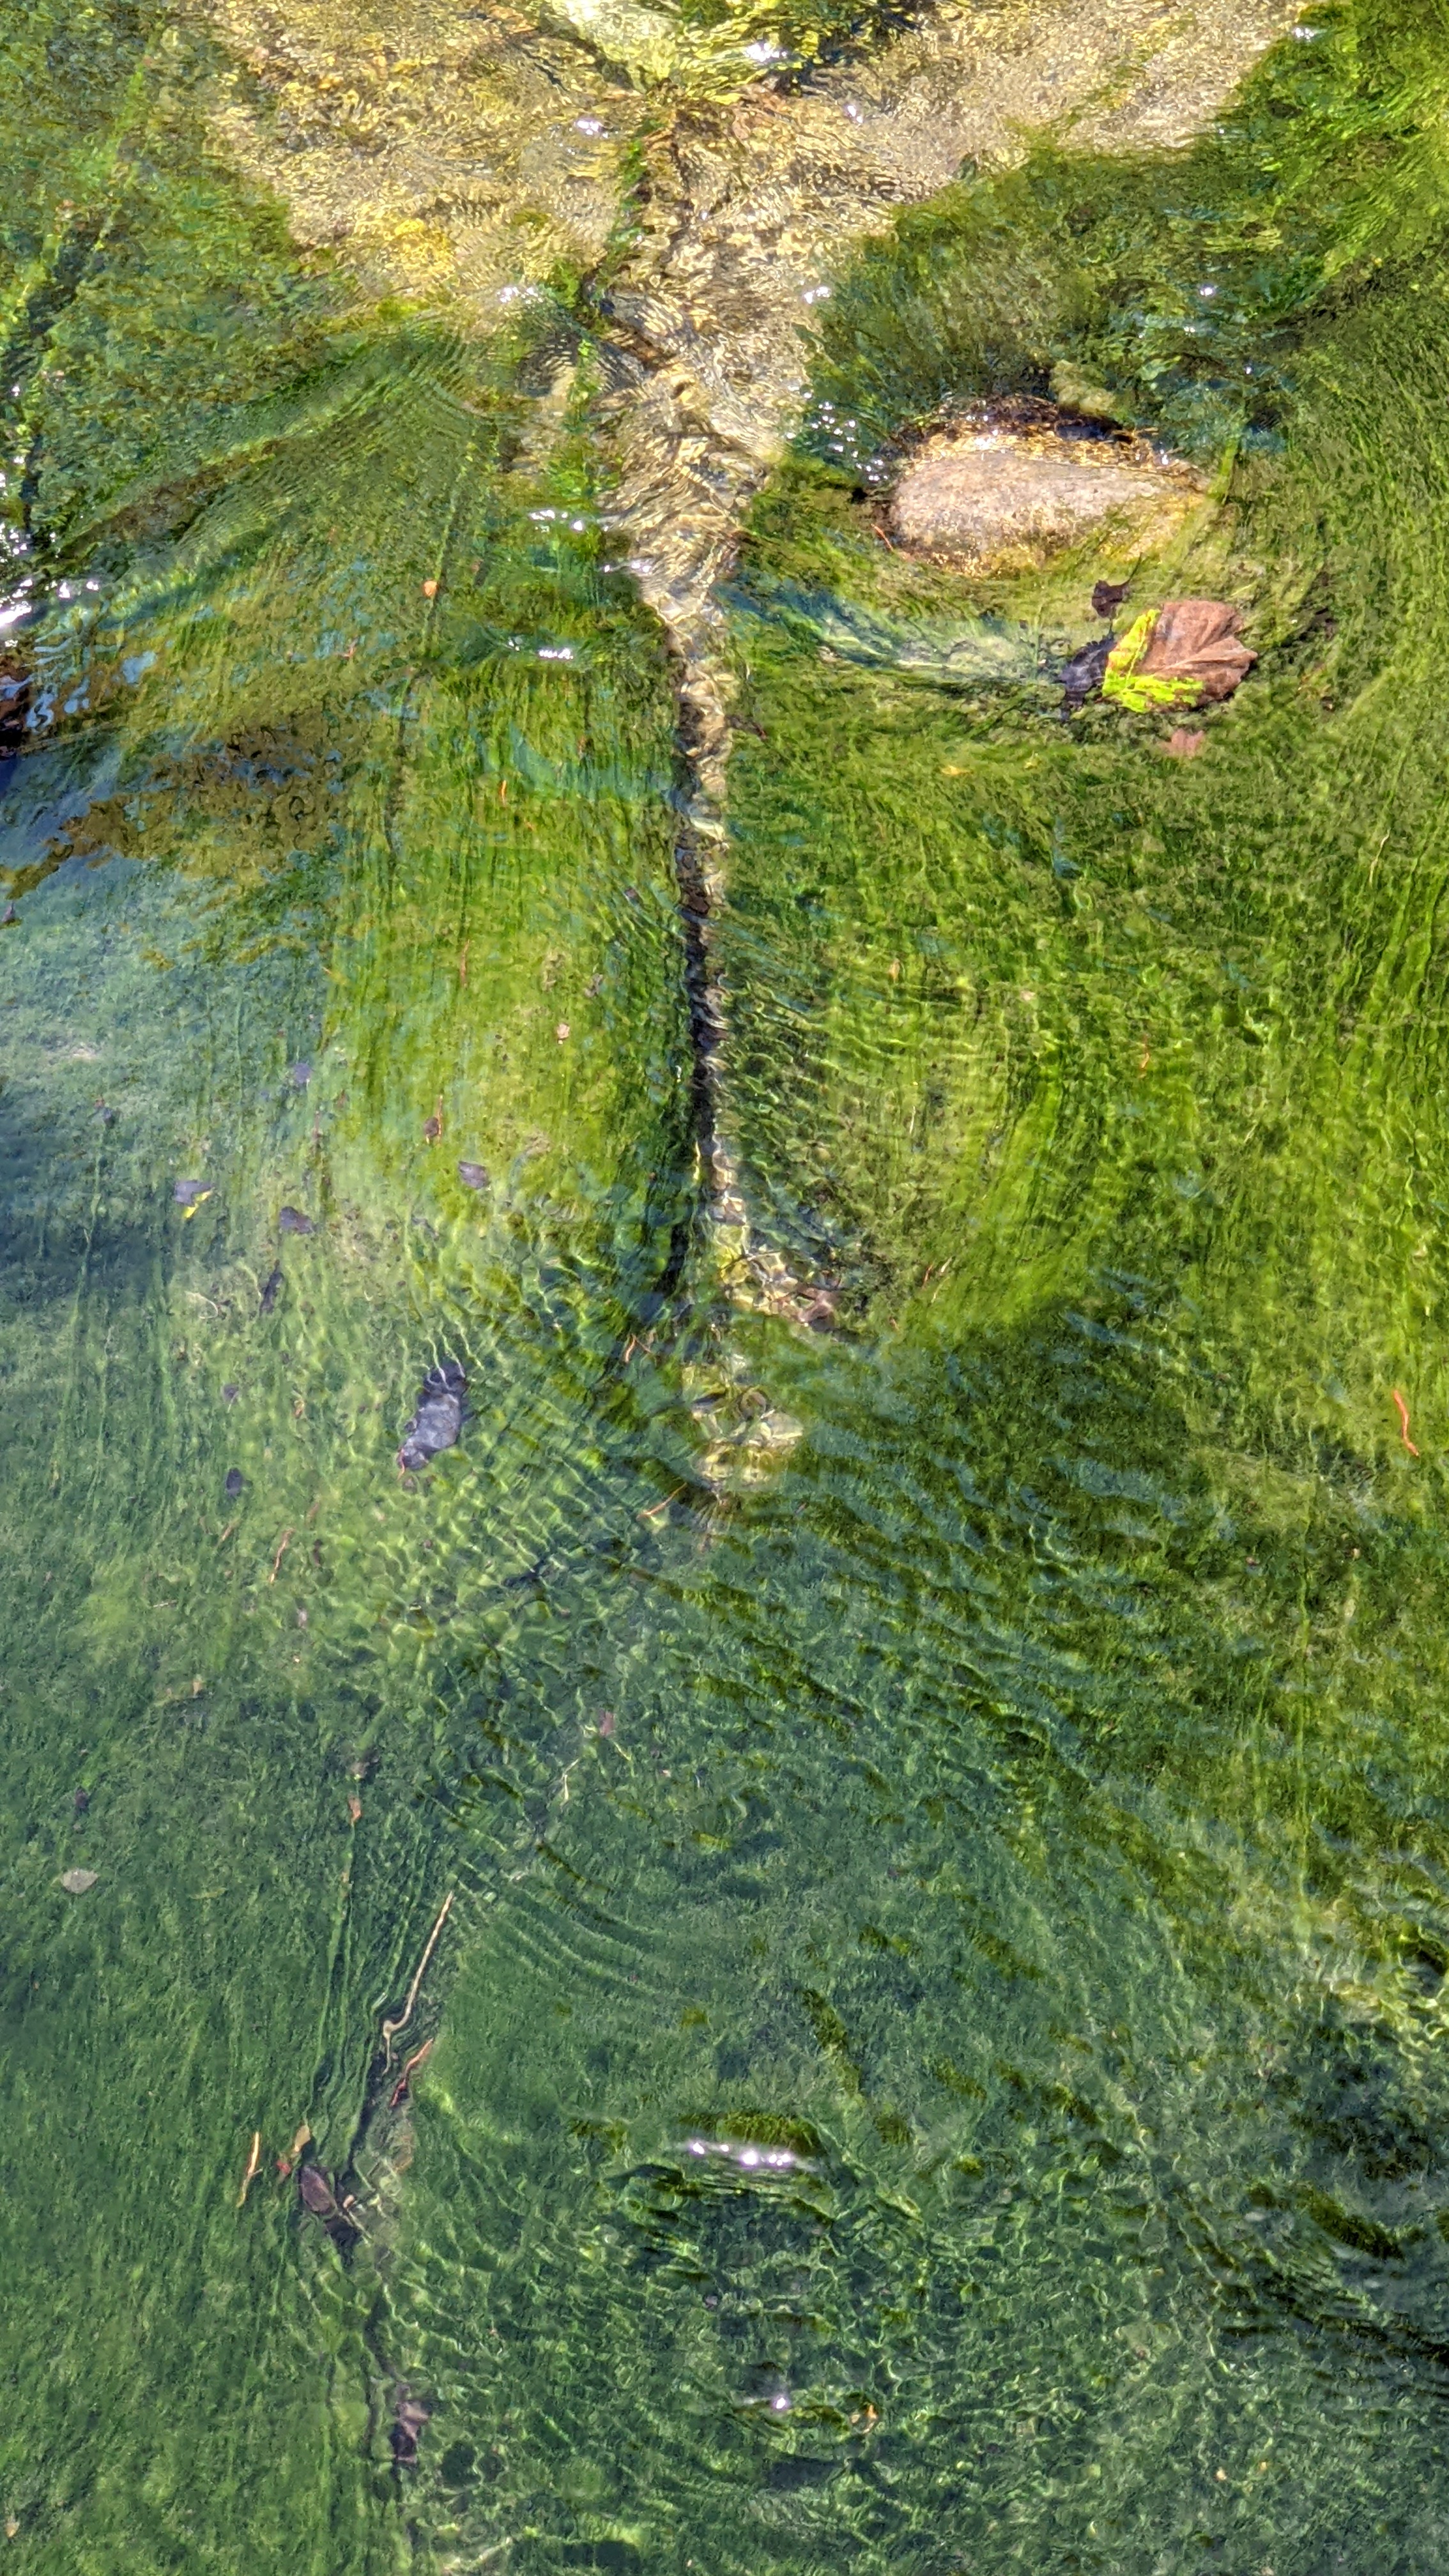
<point>439,1418</point>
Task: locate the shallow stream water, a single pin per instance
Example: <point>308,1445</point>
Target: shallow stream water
<point>848,1898</point>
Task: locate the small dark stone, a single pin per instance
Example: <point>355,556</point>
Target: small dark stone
<point>439,1418</point>
<point>1082,676</point>
<point>301,1074</point>
<point>14,708</point>
<point>235,1481</point>
<point>316,2191</point>
<point>407,2424</point>
<point>269,1292</point>
<point>474,1176</point>
<point>291,1220</point>
<point>189,1193</point>
<point>1107,596</point>
<point>82,1801</point>
<point>229,1394</point>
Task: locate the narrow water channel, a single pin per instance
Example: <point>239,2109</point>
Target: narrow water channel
<point>813,1936</point>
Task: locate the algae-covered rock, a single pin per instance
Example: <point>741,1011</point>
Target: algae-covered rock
<point>995,495</point>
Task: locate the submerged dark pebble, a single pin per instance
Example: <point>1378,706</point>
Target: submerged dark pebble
<point>82,1801</point>
<point>235,1481</point>
<point>14,711</point>
<point>1108,595</point>
<point>316,2191</point>
<point>407,2424</point>
<point>269,1291</point>
<point>186,1193</point>
<point>229,1394</point>
<point>474,1176</point>
<point>291,1220</point>
<point>439,1417</point>
<point>301,1075</point>
<point>1083,674</point>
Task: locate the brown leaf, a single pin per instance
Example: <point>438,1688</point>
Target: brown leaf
<point>1197,639</point>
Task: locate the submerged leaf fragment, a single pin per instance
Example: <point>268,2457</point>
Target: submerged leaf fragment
<point>1082,676</point>
<point>1187,653</point>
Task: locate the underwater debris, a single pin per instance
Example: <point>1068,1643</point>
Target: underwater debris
<point>268,1297</point>
<point>474,1176</point>
<point>319,2198</point>
<point>291,1220</point>
<point>1082,676</point>
<point>10,918</point>
<point>1107,596</point>
<point>254,2166</point>
<point>399,2093</point>
<point>316,2191</point>
<point>190,1194</point>
<point>407,2425</point>
<point>14,708</point>
<point>1187,653</point>
<point>439,1417</point>
<point>399,2021</point>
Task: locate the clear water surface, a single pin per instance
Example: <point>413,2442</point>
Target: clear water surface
<point>934,2050</point>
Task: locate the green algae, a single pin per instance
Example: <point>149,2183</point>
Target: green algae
<point>1024,1813</point>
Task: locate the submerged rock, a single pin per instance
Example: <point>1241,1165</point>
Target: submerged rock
<point>439,1418</point>
<point>78,1882</point>
<point>291,1220</point>
<point>316,2190</point>
<point>474,1176</point>
<point>1005,490</point>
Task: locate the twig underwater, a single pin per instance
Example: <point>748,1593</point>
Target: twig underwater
<point>399,2021</point>
<point>1403,1422</point>
<point>254,2166</point>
